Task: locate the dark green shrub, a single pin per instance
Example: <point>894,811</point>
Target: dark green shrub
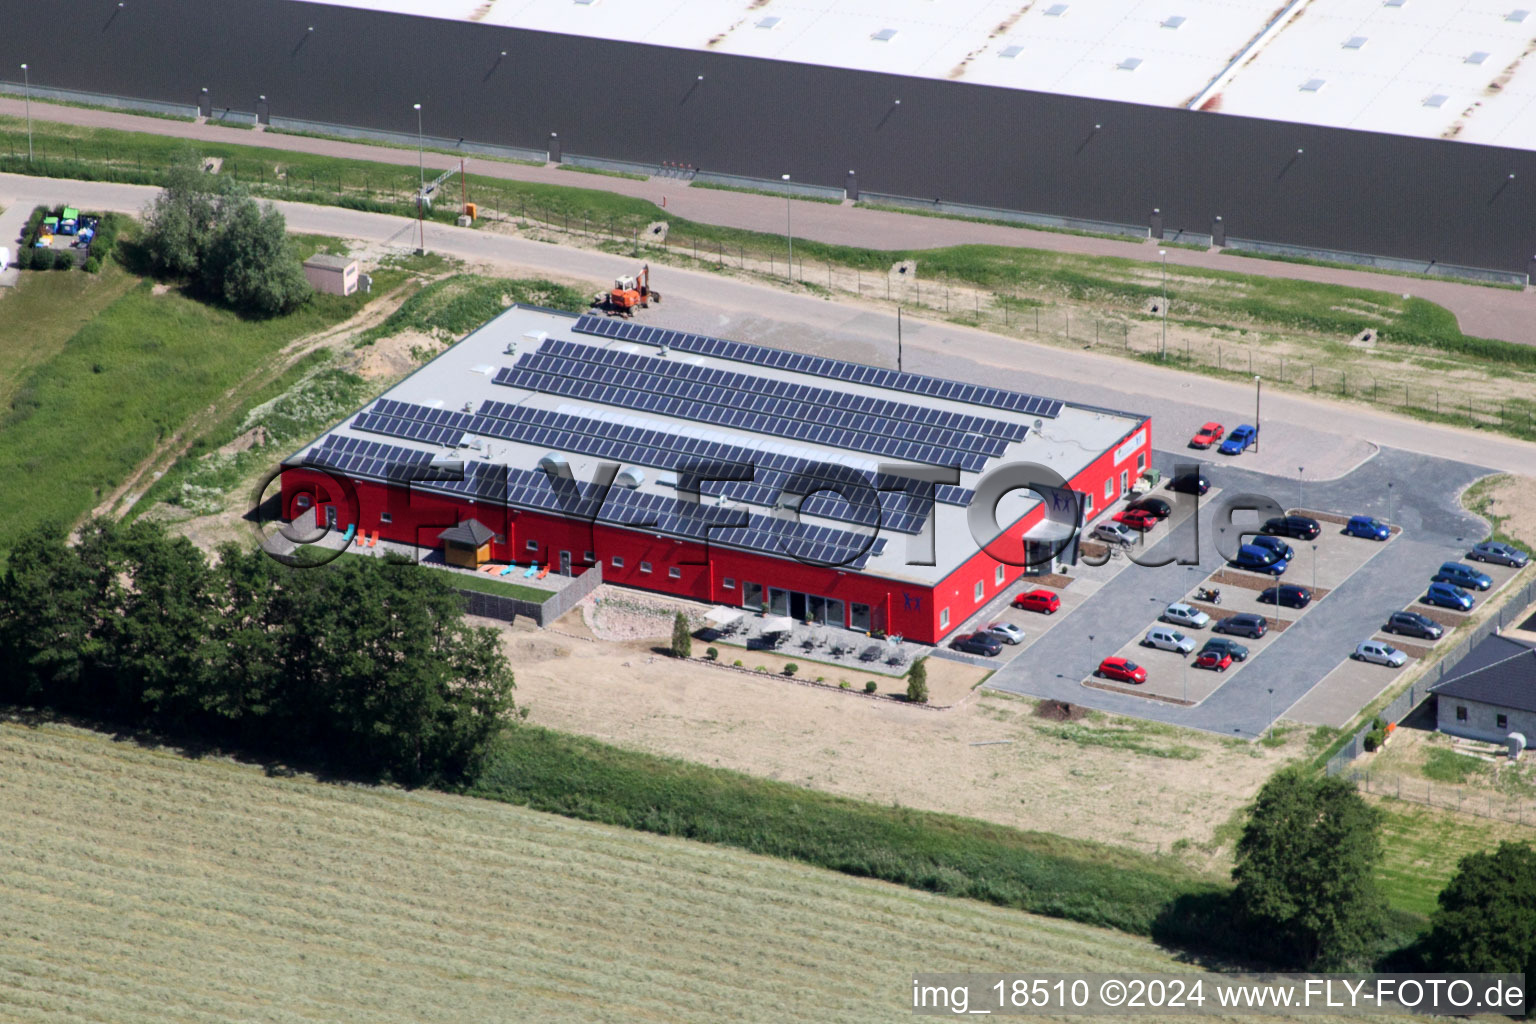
<point>25,257</point>
<point>92,265</point>
<point>917,683</point>
<point>711,654</point>
<point>682,637</point>
<point>791,669</point>
<point>63,259</point>
<point>1374,739</point>
<point>871,686</point>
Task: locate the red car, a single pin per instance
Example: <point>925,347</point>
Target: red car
<point>1137,518</point>
<point>1207,435</point>
<point>1038,601</point>
<point>1214,659</point>
<point>1123,669</point>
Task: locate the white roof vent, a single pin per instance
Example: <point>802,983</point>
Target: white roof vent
<point>885,35</point>
<point>554,462</point>
<point>484,369</point>
<point>1129,64</point>
<point>1517,15</point>
<point>537,337</point>
<point>1313,85</point>
<point>1437,100</point>
<point>1010,52</point>
<point>1354,42</point>
<point>1055,10</point>
<point>630,476</point>
<point>1477,56</point>
<point>1173,21</point>
<point>771,21</point>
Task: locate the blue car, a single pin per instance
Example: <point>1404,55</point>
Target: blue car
<point>1462,575</point>
<point>1238,441</point>
<point>1274,544</point>
<point>1257,559</point>
<point>1448,595</point>
<point>1365,526</point>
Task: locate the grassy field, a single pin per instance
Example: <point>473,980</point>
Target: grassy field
<point>144,886</point>
<point>88,406</point>
<point>1423,846</point>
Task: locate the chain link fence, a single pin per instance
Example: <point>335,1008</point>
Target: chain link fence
<point>1519,810</point>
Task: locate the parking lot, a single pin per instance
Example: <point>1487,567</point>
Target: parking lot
<point>1074,590</point>
<point>1364,581</point>
<point>1353,684</point>
<point>1320,565</point>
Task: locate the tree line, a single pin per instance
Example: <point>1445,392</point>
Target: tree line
<point>1306,894</point>
<point>360,666</point>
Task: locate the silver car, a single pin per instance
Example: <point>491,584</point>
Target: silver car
<point>1186,615</point>
<point>1378,653</point>
<point>1005,632</point>
<point>1167,639</point>
<point>1498,553</point>
<point>1116,533</point>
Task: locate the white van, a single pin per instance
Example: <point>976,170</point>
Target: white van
<point>5,257</point>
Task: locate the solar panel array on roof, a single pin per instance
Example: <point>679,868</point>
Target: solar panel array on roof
<point>900,503</point>
<point>821,366</point>
<point>616,506</point>
<point>632,389</point>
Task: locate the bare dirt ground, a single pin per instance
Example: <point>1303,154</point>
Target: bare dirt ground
<point>1515,497</point>
<point>1136,784</point>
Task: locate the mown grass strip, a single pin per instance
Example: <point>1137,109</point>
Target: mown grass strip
<point>1032,871</point>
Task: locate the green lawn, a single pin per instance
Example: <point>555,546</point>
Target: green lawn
<point>487,583</point>
<point>39,318</point>
<point>1423,845</point>
<point>135,366</point>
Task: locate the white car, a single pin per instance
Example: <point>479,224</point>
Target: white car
<point>1379,653</point>
<point>1116,533</point>
<point>1186,615</point>
<point>1167,639</point>
<point>1005,632</point>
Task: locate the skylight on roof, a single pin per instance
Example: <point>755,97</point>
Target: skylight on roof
<point>770,21</point>
<point>1519,15</point>
<point>1312,85</point>
<point>1011,52</point>
<point>1055,10</point>
<point>1437,100</point>
<point>885,35</point>
<point>1354,42</point>
<point>1129,64</point>
<point>1395,3</point>
<point>1173,21</point>
<point>1477,56</point>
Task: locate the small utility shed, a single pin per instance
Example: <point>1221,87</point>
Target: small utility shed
<point>1492,695</point>
<point>334,275</point>
<point>468,544</point>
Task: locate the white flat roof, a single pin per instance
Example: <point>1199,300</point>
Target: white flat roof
<point>1380,62</point>
<point>464,376</point>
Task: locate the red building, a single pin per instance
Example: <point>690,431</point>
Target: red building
<point>730,473</point>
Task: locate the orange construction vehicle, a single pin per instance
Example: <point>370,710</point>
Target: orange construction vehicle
<point>627,293</point>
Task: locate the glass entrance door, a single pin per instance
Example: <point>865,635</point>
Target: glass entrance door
<point>778,601</point>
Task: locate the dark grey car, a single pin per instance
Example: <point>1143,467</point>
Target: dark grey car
<point>1413,624</point>
<point>1245,624</point>
<point>1498,553</point>
<point>1226,645</point>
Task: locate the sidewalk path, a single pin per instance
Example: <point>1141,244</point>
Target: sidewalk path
<point>1338,434</point>
<point>1481,311</point>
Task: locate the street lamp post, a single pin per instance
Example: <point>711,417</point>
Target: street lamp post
<point>1162,352</point>
<point>789,235</point>
<point>1389,501</point>
<point>1299,471</point>
<point>26,81</point>
<point>1314,569</point>
<point>1258,387</point>
<point>1271,709</point>
<point>421,193</point>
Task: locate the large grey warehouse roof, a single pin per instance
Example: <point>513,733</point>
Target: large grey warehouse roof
<point>1432,68</point>
<point>534,402</point>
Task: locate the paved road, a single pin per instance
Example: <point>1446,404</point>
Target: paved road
<point>1435,529</point>
<point>1325,436</point>
<point>1484,312</point>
